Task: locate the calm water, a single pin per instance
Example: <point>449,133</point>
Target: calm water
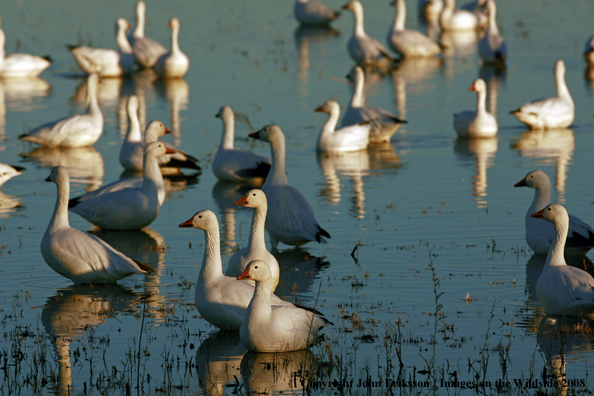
<point>426,210</point>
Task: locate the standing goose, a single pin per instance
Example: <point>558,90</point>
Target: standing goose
<point>313,13</point>
<point>129,208</point>
<point>79,130</point>
<point>221,300</point>
<point>363,49</point>
<point>175,63</point>
<point>256,247</point>
<point>550,113</point>
<point>491,47</point>
<point>107,62</point>
<point>233,164</point>
<point>75,254</point>
<point>7,172</point>
<point>291,219</point>
<point>383,124</point>
<point>20,65</point>
<point>349,138</point>
<point>406,42</point>
<point>146,51</point>
<point>561,289</point>
<point>479,123</point>
<point>540,235</point>
<point>272,328</point>
<point>452,19</point>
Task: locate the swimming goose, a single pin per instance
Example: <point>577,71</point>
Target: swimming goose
<point>349,138</point>
<point>128,208</point>
<point>20,65</point>
<point>452,19</point>
<point>406,42</point>
<point>492,47</point>
<point>383,124</point>
<point>75,254</point>
<point>7,172</point>
<point>363,49</point>
<point>79,130</point>
<point>107,62</point>
<point>256,247</point>
<point>221,300</point>
<point>146,51</point>
<point>233,164</point>
<point>479,123</point>
<point>314,13</point>
<point>540,235</point>
<point>271,328</point>
<point>553,112</point>
<point>175,63</point>
<point>290,218</point>
<point>561,289</point>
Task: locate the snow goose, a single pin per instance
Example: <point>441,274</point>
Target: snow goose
<point>237,165</point>
<point>491,47</point>
<point>383,124</point>
<point>175,63</point>
<point>20,65</point>
<point>349,138</point>
<point>221,300</point>
<point>314,13</point>
<point>75,254</point>
<point>146,51</point>
<point>79,130</point>
<point>7,172</point>
<point>589,51</point>
<point>290,218</point>
<point>363,49</point>
<point>561,289</point>
<point>406,42</point>
<point>128,208</point>
<point>452,19</point>
<point>107,62</point>
<point>272,328</point>
<point>256,247</point>
<point>431,10</point>
<point>540,235</point>
<point>479,123</point>
<point>553,112</point>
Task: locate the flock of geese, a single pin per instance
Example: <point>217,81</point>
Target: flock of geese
<point>242,298</point>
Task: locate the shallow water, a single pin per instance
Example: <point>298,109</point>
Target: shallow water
<point>425,210</point>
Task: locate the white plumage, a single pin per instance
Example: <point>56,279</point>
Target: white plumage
<point>173,64</point>
<point>406,42</point>
<point>479,123</point>
<point>314,13</point>
<point>452,19</point>
<point>20,65</point>
<point>146,51</point>
<point>7,172</point>
<point>492,47</point>
<point>350,138</point>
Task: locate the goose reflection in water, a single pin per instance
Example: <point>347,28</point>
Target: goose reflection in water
<point>225,194</point>
<point>482,153</point>
<point>177,93</point>
<point>84,164</point>
<point>495,77</point>
<point>551,147</point>
<point>218,362</point>
<point>9,205</point>
<point>75,311</point>
<point>19,95</point>
<point>298,273</point>
<point>308,39</point>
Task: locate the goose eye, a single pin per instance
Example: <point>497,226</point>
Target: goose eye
<point>256,267</point>
<point>200,216</point>
<point>254,194</point>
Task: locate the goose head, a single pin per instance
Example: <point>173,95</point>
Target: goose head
<point>224,112</point>
<point>174,23</point>
<point>354,6</point>
<point>329,107</point>
<point>553,213</point>
<point>269,133</point>
<point>257,270</point>
<point>560,68</point>
<point>58,175</point>
<point>155,130</point>
<point>253,199</point>
<point>122,25</point>
<point>479,85</point>
<point>534,179</point>
<point>203,220</point>
<point>157,149</point>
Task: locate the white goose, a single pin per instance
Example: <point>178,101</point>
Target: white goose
<point>221,300</point>
<point>146,51</point>
<point>383,124</point>
<point>406,42</point>
<point>291,219</point>
<point>313,13</point>
<point>256,247</point>
<point>540,235</point>
<point>175,63</point>
<point>272,328</point>
<point>492,47</point>
<point>20,65</point>
<point>79,130</point>
<point>561,289</point>
<point>128,208</point>
<point>107,62</point>
<point>479,123</point>
<point>363,49</point>
<point>452,19</point>
<point>550,113</point>
<point>75,254</point>
<point>7,172</point>
<point>349,138</point>
<point>233,164</point>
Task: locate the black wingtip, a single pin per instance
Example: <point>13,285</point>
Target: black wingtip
<point>73,202</point>
<point>322,232</point>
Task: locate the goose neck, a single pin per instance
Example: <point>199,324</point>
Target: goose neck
<point>359,27</point>
<point>555,256</point>
<point>151,174</point>
<point>92,96</point>
<point>227,140</point>
<point>123,43</point>
<point>277,170</point>
<point>60,216</point>
<point>211,262</point>
<point>330,125</point>
<point>175,39</point>
<point>400,18</point>
<point>481,105</point>
<point>134,132</point>
<point>358,99</point>
<point>257,238</point>
<point>139,28</point>
<point>562,90</point>
<point>542,197</point>
<point>493,29</point>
